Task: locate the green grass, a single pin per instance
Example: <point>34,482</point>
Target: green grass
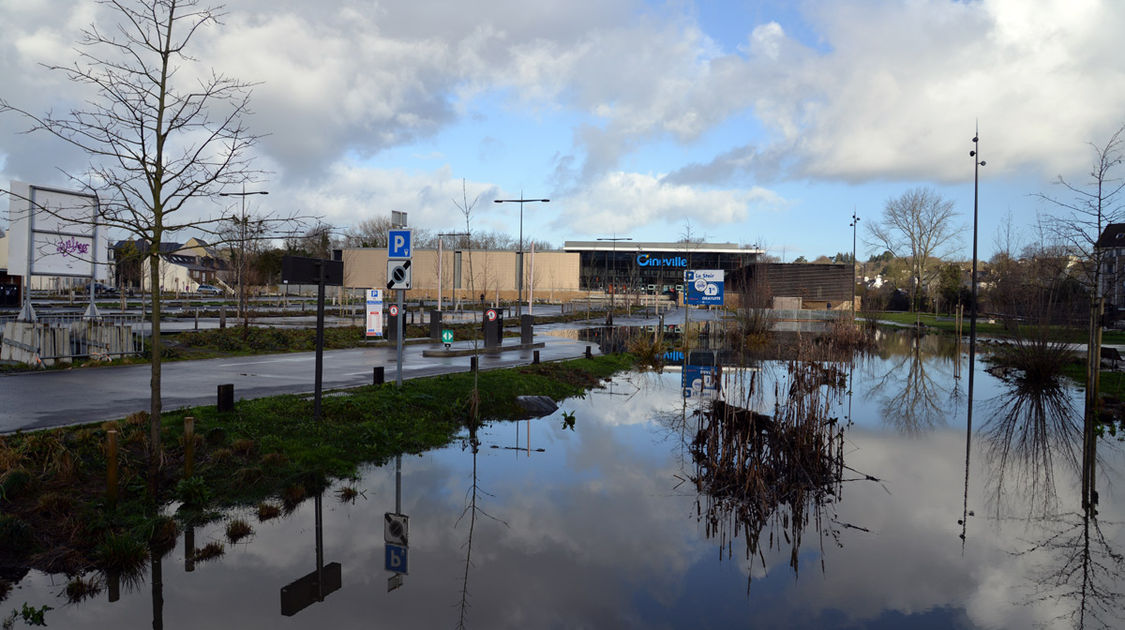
<point>267,451</point>
<point>947,323</point>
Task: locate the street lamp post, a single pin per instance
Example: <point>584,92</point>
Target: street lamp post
<point>613,292</point>
<point>519,270</point>
<point>977,163</point>
<point>853,224</point>
<point>243,227</point>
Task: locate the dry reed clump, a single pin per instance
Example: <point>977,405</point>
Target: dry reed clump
<point>274,460</point>
<point>347,494</point>
<point>81,588</point>
<point>292,496</point>
<point>267,511</point>
<point>210,551</point>
<point>761,474</point>
<point>238,529</point>
<point>243,447</point>
<point>647,350</point>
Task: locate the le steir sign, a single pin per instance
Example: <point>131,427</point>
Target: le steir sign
<point>54,233</point>
<point>704,287</point>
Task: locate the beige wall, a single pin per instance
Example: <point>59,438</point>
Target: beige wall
<point>492,273</point>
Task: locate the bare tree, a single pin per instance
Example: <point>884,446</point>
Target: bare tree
<point>1093,206</point>
<point>918,225</point>
<point>157,139</point>
<point>466,208</point>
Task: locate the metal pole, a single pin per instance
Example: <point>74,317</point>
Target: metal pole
<point>977,163</point>
<point>519,254</point>
<point>439,273</point>
<point>399,330</point>
<point>319,340</point>
<point>855,222</point>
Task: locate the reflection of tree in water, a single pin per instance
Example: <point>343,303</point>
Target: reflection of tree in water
<point>1033,427</point>
<point>758,474</point>
<point>910,399</point>
<point>471,510</point>
<point>1085,571</point>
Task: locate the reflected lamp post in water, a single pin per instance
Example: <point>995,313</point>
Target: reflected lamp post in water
<point>853,224</point>
<point>613,291</point>
<point>243,228</point>
<point>977,163</point>
<point>519,270</point>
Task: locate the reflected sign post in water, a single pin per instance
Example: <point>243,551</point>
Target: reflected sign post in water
<point>314,587</point>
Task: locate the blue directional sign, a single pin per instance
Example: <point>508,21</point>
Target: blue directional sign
<point>704,287</point>
<point>700,381</point>
<point>396,558</point>
<point>398,243</point>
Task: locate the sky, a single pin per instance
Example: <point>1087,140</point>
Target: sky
<point>760,123</point>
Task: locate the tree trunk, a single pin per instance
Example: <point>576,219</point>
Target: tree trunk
<point>155,446</point>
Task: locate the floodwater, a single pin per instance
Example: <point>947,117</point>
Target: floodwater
<point>621,519</point>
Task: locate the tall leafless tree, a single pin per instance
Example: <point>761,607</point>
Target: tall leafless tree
<point>159,133</point>
<point>919,225</point>
<point>1089,208</point>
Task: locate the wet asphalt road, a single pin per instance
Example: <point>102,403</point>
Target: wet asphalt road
<point>36,400</point>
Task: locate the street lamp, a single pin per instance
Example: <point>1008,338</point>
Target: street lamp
<point>243,227</point>
<point>977,163</point>
<point>853,224</point>
<point>519,270</point>
<point>614,239</point>
<point>439,262</point>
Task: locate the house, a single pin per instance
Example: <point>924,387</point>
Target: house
<point>1111,248</point>
<point>181,267</point>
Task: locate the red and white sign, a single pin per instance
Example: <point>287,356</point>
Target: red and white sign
<point>490,314</point>
<point>393,310</point>
<point>375,312</point>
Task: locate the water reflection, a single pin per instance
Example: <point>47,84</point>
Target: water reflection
<point>777,474</point>
<point>596,533</point>
<point>1033,426</point>
<point>916,393</point>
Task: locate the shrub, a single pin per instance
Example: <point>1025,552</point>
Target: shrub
<point>237,530</point>
<point>193,492</point>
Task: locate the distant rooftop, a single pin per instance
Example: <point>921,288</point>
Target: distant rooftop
<point>718,248</point>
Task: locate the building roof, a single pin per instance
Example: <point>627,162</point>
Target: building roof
<point>711,248</point>
<point>1112,236</point>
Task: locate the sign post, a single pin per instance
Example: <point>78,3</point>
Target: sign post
<point>399,249</point>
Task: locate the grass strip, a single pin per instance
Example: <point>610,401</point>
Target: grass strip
<point>55,516</point>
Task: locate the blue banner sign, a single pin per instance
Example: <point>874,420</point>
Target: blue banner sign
<point>704,287</point>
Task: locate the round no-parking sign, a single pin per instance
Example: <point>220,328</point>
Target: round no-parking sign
<point>393,310</point>
<point>490,314</point>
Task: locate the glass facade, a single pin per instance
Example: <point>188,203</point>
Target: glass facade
<point>647,268</point>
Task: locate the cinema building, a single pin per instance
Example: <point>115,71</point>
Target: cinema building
<point>582,268</point>
<point>652,268</point>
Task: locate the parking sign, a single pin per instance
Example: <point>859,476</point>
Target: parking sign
<point>398,243</point>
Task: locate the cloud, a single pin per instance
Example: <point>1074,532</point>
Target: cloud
<point>621,201</point>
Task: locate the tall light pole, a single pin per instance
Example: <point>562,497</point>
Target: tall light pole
<point>977,163</point>
<point>613,292</point>
<point>439,262</point>
<point>519,269</point>
<point>853,224</point>
<point>243,227</point>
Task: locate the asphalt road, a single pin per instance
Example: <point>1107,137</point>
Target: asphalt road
<point>37,400</point>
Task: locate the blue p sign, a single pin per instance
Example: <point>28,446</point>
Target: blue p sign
<point>395,559</point>
<point>398,244</point>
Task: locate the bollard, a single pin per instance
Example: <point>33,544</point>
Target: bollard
<point>377,375</point>
<point>589,355</point>
<point>226,397</point>
<point>473,364</point>
<point>111,467</point>
<point>189,446</point>
<point>197,319</point>
<point>222,316</point>
<point>535,358</point>
<point>189,549</point>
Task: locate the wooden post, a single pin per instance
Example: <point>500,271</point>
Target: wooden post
<point>111,467</point>
<point>189,446</point>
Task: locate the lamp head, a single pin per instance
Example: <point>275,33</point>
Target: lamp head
<point>974,138</point>
<point>972,153</point>
<point>982,162</point>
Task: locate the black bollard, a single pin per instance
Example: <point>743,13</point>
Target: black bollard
<point>226,397</point>
<point>589,355</point>
<point>535,358</point>
<point>472,364</point>
<point>377,375</point>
